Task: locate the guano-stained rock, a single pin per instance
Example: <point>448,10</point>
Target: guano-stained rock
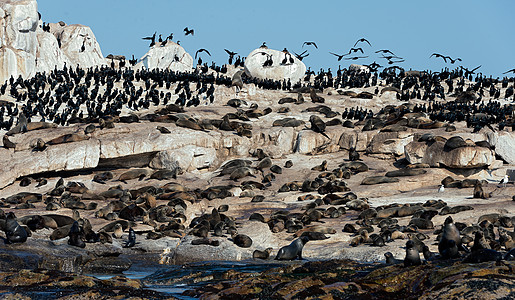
<point>277,70</point>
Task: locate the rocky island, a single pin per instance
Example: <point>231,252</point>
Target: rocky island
<point>106,164</point>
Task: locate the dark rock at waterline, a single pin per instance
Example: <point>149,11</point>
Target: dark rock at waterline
<point>107,265</point>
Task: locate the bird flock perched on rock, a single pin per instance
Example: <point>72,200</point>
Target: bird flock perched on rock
<point>104,96</point>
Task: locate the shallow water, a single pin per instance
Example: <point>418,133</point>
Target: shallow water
<point>173,280</point>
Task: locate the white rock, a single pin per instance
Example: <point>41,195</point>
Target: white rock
<point>164,160</point>
<point>504,143</point>
<point>460,158</point>
<point>49,55</point>
<point>18,41</point>
<point>309,142</point>
<point>278,71</point>
<point>70,156</point>
<point>72,38</point>
<point>189,158</point>
<point>171,56</point>
<point>27,49</point>
<point>389,143</point>
<point>357,67</point>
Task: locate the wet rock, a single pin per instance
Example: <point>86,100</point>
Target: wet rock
<point>107,265</point>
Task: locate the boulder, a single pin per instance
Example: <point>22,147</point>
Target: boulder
<point>309,141</point>
<point>356,67</point>
<point>70,156</point>
<point>49,55</point>
<point>467,157</point>
<point>277,71</point>
<point>18,39</point>
<point>389,143</point>
<point>79,44</point>
<point>504,143</point>
<point>188,158</point>
<point>171,56</point>
<point>26,49</point>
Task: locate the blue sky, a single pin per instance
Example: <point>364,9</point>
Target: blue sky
<point>479,32</point>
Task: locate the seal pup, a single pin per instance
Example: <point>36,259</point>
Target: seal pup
<point>132,239</point>
<point>14,233</point>
<point>390,260</point>
<point>479,192</point>
<point>118,231</point>
<point>412,255</point>
<point>75,236</point>
<point>242,240</point>
<point>265,254</point>
<point>293,250</point>
<point>353,154</point>
<point>7,143</point>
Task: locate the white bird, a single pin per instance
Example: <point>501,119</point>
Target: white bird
<point>441,189</point>
<point>504,181</point>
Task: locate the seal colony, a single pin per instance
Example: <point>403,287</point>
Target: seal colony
<point>340,188</point>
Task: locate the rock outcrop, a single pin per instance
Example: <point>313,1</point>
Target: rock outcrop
<point>26,49</point>
<point>460,158</point>
<point>504,143</point>
<point>18,38</point>
<point>78,44</point>
<point>49,55</point>
<point>171,56</point>
<point>277,70</point>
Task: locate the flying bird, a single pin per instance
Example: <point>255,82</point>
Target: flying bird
<point>361,40</point>
<point>353,50</point>
<point>231,55</point>
<point>385,51</point>
<point>374,66</point>
<point>337,55</point>
<point>152,39</point>
<point>310,44</point>
<point>355,57</point>
<point>453,60</point>
<point>301,56</point>
<point>469,72</point>
<point>202,50</point>
<point>439,55</point>
<point>188,31</point>
<point>390,61</point>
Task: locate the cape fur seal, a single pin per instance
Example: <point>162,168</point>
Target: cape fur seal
<point>412,255</point>
<point>76,236</point>
<point>265,254</point>
<point>293,250</point>
<point>132,239</point>
<point>450,240</point>
<point>14,233</point>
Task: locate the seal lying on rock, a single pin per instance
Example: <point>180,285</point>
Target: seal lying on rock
<point>293,250</point>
